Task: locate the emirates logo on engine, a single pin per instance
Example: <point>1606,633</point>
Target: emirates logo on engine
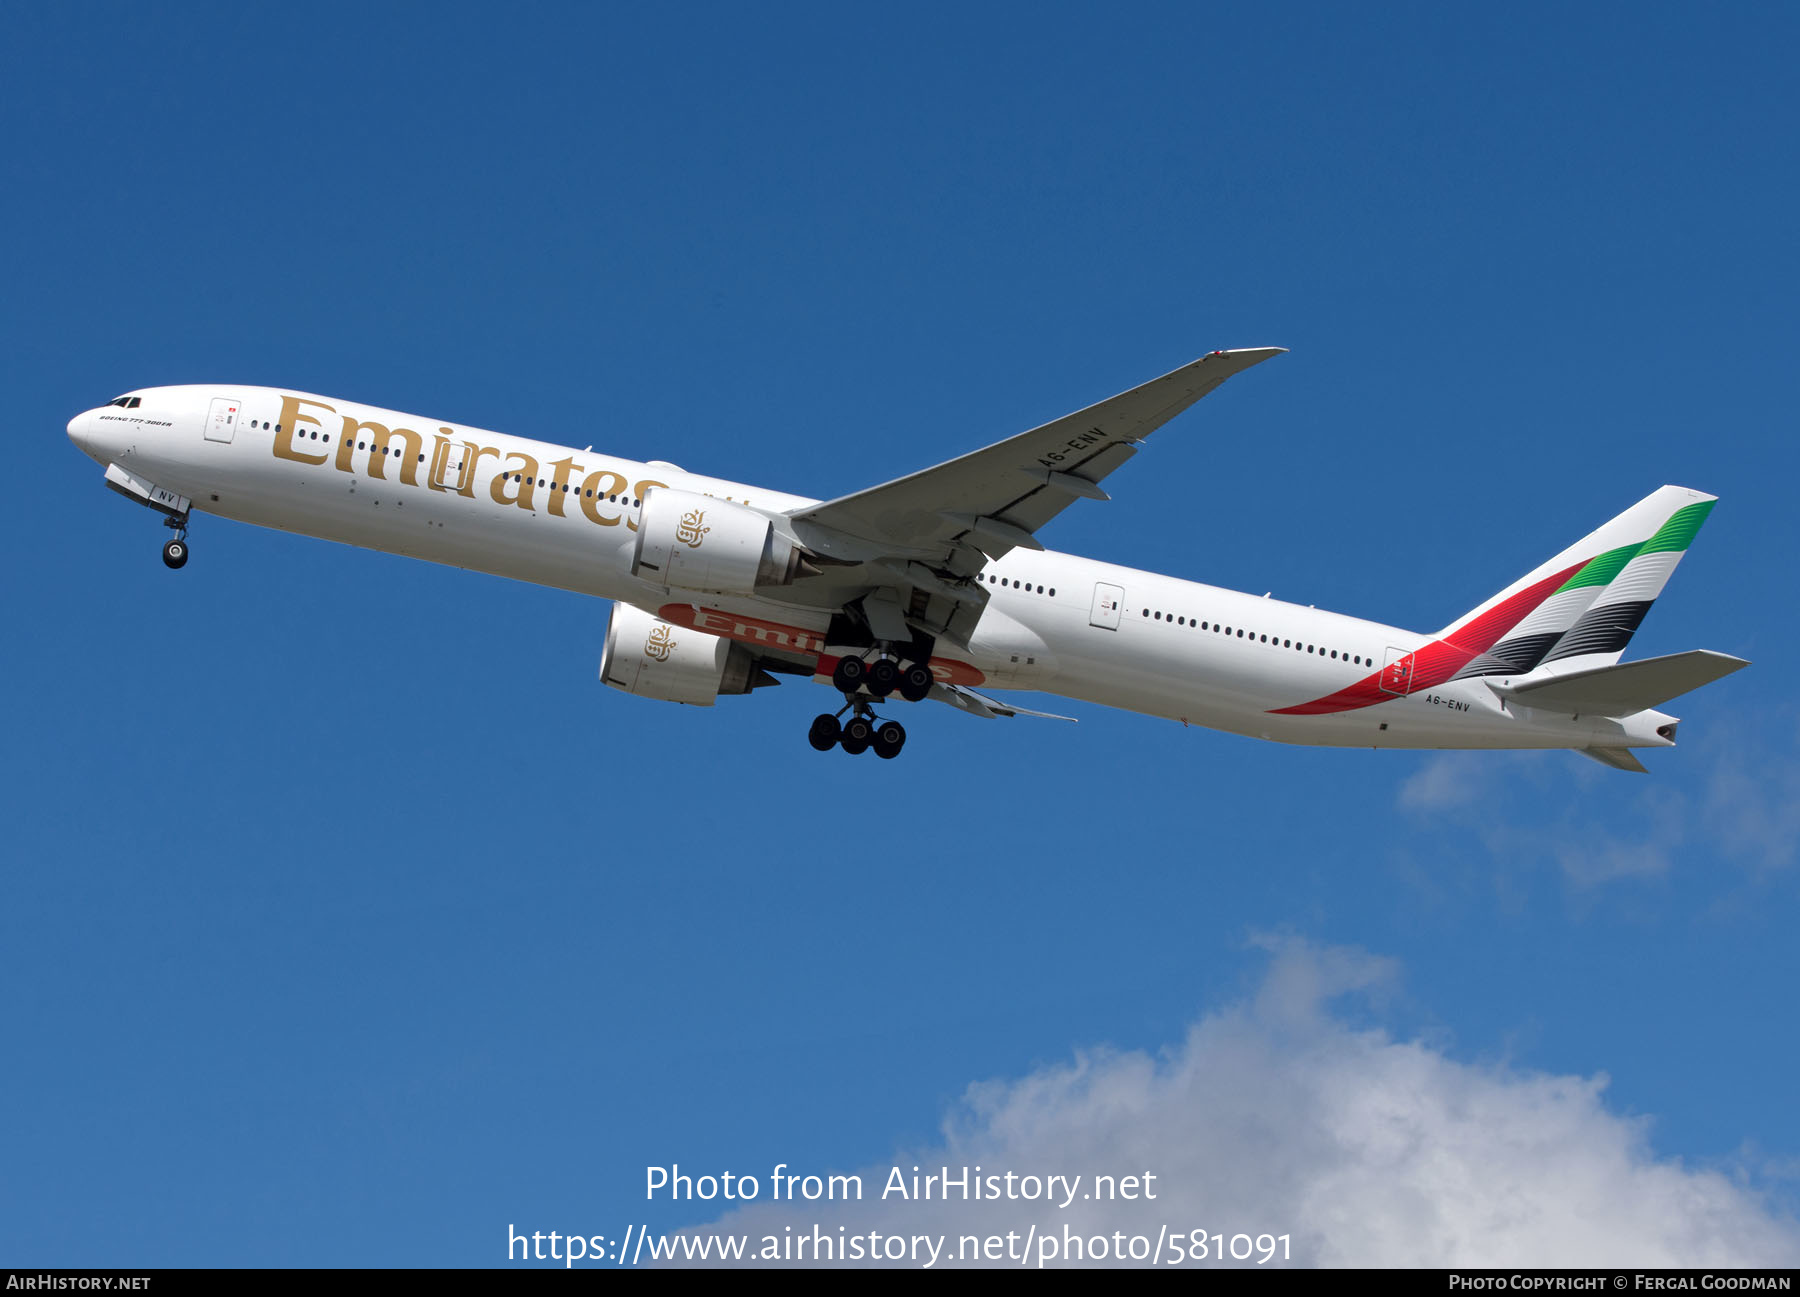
<point>690,532</point>
<point>660,644</point>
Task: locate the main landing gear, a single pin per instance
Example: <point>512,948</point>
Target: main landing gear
<point>882,677</point>
<point>175,553</point>
<point>862,731</point>
<point>860,680</point>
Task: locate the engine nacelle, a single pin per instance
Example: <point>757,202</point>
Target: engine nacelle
<point>688,541</point>
<point>645,655</point>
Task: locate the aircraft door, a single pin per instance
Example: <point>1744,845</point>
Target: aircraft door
<point>1396,676</point>
<point>221,420</point>
<point>1109,602</point>
<point>450,467</point>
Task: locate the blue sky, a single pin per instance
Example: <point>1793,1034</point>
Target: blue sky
<point>349,919</point>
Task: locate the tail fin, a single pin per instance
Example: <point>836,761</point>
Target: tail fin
<point>1601,633</point>
<point>1587,601</point>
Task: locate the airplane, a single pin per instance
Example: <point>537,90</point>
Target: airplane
<point>931,586</point>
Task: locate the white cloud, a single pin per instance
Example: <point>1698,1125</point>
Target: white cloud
<point>1735,797</point>
<point>1753,807</point>
<point>1276,1116</point>
<point>1441,782</point>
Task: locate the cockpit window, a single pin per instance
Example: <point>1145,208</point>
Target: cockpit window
<point>134,403</point>
<point>127,402</point>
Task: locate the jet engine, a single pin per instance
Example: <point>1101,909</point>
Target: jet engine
<point>645,655</point>
<point>688,541</point>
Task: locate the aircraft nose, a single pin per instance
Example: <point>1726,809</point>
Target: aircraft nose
<point>84,431</point>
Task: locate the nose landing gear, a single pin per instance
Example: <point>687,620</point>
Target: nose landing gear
<point>175,553</point>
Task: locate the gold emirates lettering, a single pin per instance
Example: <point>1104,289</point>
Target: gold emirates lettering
<point>289,427</point>
<point>380,442</point>
<point>454,468</point>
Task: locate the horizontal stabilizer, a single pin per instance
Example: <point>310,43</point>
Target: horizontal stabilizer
<point>1617,758</point>
<point>1626,688</point>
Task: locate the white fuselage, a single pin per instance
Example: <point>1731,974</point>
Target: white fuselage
<point>1055,623</point>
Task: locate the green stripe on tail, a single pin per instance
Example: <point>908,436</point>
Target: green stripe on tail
<point>1679,529</point>
<point>1602,569</point>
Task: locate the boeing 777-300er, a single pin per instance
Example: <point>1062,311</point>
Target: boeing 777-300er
<point>934,585</point>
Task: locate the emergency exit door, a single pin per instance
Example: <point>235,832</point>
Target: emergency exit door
<point>1109,602</point>
<point>221,421</point>
<point>1397,674</point>
<point>449,467</point>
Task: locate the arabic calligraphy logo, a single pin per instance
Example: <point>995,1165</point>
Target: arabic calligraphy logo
<point>690,532</point>
<point>660,644</point>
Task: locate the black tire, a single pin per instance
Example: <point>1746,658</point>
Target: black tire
<point>884,674</point>
<point>916,682</point>
<point>889,739</point>
<point>858,734</point>
<point>175,553</point>
<point>824,733</point>
<point>847,678</point>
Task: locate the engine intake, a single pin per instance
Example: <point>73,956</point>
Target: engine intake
<point>645,655</point>
<point>688,541</point>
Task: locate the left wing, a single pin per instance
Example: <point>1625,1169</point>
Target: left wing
<point>921,538</point>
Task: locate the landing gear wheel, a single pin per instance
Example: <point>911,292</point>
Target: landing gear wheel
<point>884,674</point>
<point>175,553</point>
<point>848,677</point>
<point>915,683</point>
<point>824,733</point>
<point>889,739</point>
<point>858,734</point>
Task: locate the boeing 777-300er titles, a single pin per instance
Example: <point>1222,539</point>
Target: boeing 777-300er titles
<point>933,585</point>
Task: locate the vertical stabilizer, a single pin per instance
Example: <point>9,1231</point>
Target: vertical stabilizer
<point>1586,595</point>
<point>1601,633</point>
